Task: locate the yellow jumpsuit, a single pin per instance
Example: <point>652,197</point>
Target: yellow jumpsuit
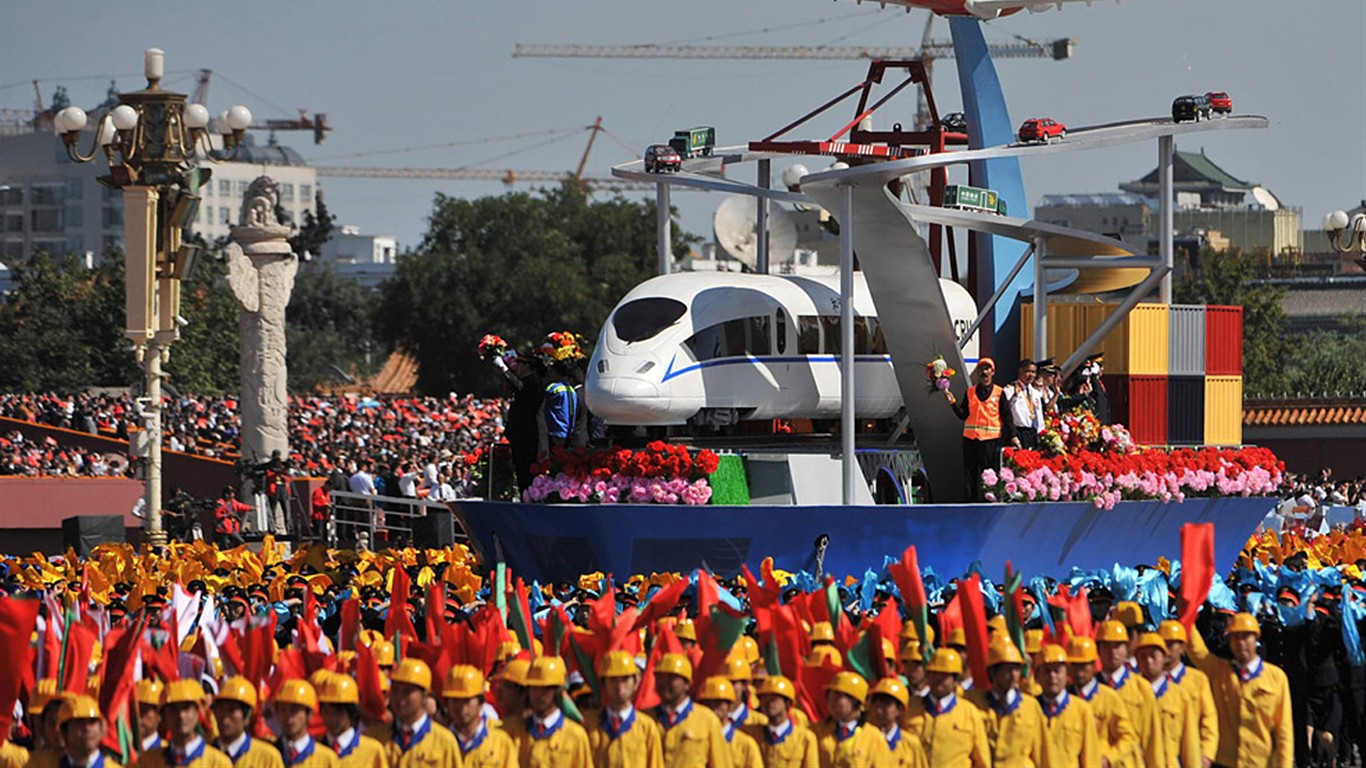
<point>750,721</point>
<point>1141,707</point>
<point>795,749</point>
<point>12,755</point>
<point>255,753</point>
<point>494,749</point>
<point>744,750</point>
<point>1195,684</point>
<point>362,752</point>
<point>162,758</point>
<point>694,740</point>
<point>320,756</point>
<point>1180,724</point>
<point>1118,743</point>
<point>565,746</point>
<point>1015,730</point>
<point>1254,716</point>
<point>435,747</point>
<point>43,758</point>
<point>638,745</point>
<point>954,736</point>
<point>1073,738</point>
<point>865,748</point>
<point>906,749</point>
<point>109,762</point>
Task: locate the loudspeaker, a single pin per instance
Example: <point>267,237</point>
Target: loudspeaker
<point>84,532</point>
<point>435,531</point>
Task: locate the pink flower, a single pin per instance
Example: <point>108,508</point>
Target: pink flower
<point>989,476</point>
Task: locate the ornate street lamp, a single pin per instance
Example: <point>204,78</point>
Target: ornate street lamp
<point>153,142</point>
<point>1347,233</point>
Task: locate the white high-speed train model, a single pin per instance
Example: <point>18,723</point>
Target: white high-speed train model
<point>716,348</point>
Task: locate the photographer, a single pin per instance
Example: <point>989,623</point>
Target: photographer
<point>275,475</point>
<point>228,513</point>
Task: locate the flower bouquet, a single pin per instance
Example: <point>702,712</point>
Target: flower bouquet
<point>939,373</point>
<point>660,474</point>
<point>562,345</point>
<point>492,346</point>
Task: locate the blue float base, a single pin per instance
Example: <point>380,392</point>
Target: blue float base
<point>557,542</point>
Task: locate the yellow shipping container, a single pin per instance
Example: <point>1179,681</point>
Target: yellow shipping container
<point>1223,410</point>
<point>1138,346</point>
<point>1064,332</point>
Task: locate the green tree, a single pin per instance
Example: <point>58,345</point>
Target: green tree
<point>1322,363</point>
<point>330,324</point>
<point>206,359</point>
<point>519,265</point>
<point>315,230</point>
<point>1225,278</point>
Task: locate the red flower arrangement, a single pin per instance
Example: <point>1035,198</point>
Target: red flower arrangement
<point>661,474</point>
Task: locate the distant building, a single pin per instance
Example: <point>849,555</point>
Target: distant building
<point>367,259</point>
<point>48,203</point>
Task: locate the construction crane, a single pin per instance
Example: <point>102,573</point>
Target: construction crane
<point>317,123</point>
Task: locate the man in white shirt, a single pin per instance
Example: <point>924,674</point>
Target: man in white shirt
<point>1025,402</point>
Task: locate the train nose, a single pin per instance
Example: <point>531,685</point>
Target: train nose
<point>630,388</point>
<point>624,399</point>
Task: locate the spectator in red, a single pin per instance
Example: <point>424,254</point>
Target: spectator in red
<point>228,531</point>
<point>320,504</point>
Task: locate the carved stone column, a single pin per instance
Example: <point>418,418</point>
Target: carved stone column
<point>261,268</point>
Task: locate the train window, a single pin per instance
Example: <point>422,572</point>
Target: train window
<point>735,337</point>
<point>861,343</point>
<point>722,340</point>
<point>808,335</point>
<point>759,343</point>
<point>879,340</point>
<point>780,330</point>
<point>643,318</point>
<point>830,328</point>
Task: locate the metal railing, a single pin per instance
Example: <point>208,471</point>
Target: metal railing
<point>378,520</point>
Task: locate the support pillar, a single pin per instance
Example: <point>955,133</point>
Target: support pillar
<point>1040,301</point>
<point>761,222</point>
<point>664,228</point>
<point>849,464</point>
<point>1165,150</point>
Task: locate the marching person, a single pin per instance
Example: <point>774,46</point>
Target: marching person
<point>1118,743</point>
<point>414,739</point>
<point>550,739</point>
<point>739,672</point>
<point>1252,697</point>
<point>692,735</point>
<point>339,701</point>
<point>1026,406</point>
<point>1179,716</point>
<point>843,739</point>
<point>982,412</point>
<point>295,703</point>
<point>621,737</point>
<point>148,697</point>
<point>718,695</point>
<point>82,728</point>
<point>1072,733</point>
<point>1195,685</point>
<point>952,732</point>
<point>886,705</point>
<point>1014,722</point>
<point>482,744</point>
<point>784,744</point>
<point>182,703</point>
<point>233,708</point>
<point>1140,705</point>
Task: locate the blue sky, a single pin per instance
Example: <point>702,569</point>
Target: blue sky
<point>393,76</point>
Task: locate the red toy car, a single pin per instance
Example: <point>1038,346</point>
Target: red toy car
<point>662,158</point>
<point>1042,130</point>
<point>1220,103</point>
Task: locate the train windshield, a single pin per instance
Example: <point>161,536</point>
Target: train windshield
<point>643,318</point>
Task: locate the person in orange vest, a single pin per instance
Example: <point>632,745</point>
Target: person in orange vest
<point>233,707</point>
<point>1252,696</point>
<point>985,425</point>
<point>784,743</point>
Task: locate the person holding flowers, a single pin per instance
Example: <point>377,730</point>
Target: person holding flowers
<point>984,427</point>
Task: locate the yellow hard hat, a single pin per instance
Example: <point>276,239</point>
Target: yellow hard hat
<point>822,631</point>
<point>297,692</point>
<point>674,664</point>
<point>183,692</point>
<point>891,686</point>
<point>1033,641</point>
<point>507,649</point>
<point>888,649</point>
<point>736,668</point>
<point>43,692</point>
<point>909,632</point>
<point>78,707</point>
<point>910,651</point>
<point>1129,613</point>
<point>515,671</point>
<point>958,638</point>
<point>1003,651</point>
<point>997,623</point>
<point>384,653</point>
<point>850,684</point>
<point>946,660</point>
<point>823,654</point>
<point>149,691</point>
<point>1150,640</point>
<point>686,630</point>
<point>748,648</point>
<point>1243,622</point>
<point>1081,650</point>
<point>546,672</point>
<point>1052,654</point>
<point>1112,632</point>
<point>368,637</point>
<point>777,685</point>
<point>717,688</point>
<point>237,689</point>
<point>617,664</point>
<point>318,677</point>
<point>413,672</point>
<point>1172,631</point>
<point>339,689</point>
<point>463,682</point>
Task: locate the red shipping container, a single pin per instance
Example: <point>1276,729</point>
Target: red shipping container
<point>1140,404</point>
<point>1223,341</point>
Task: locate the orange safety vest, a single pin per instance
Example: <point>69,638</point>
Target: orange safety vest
<point>984,418</point>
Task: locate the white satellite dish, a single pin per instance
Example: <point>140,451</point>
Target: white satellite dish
<point>737,231</point>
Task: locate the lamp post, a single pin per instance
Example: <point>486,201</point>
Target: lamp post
<point>1347,234</point>
<point>152,142</point>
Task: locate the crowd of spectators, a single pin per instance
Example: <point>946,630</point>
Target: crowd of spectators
<point>1323,490</point>
<point>46,458</point>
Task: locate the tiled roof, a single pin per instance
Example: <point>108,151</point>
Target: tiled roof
<point>1297,413</point>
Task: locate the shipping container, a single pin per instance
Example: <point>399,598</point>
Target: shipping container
<point>1139,344</point>
<point>1223,410</point>
<point>1063,331</point>
<point>1186,410</point>
<point>1140,404</point>
<point>1186,356</point>
<point>1223,341</point>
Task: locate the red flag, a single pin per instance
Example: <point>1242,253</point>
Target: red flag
<point>17,620</point>
<point>368,681</point>
<point>765,593</point>
<point>906,574</point>
<point>665,642</point>
<point>1197,568</point>
<point>350,624</point>
<point>661,603</point>
<point>397,621</point>
<point>80,641</point>
<point>975,626</point>
<point>886,626</point>
<point>811,688</point>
